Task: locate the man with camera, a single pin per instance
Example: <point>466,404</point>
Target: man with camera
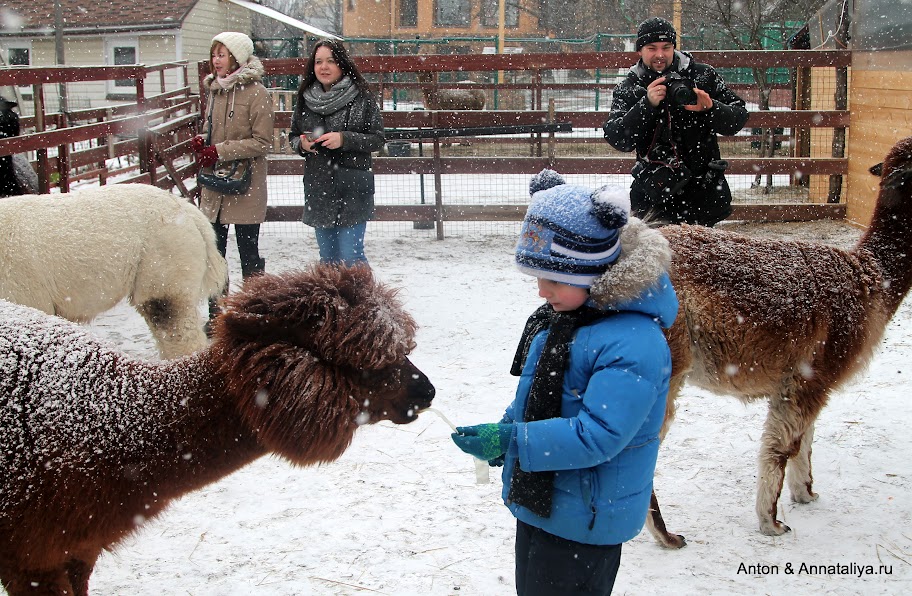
<point>669,109</point>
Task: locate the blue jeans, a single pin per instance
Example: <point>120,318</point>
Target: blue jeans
<point>342,245</point>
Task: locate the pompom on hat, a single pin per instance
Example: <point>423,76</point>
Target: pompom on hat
<point>240,46</point>
<point>656,30</point>
<point>571,234</point>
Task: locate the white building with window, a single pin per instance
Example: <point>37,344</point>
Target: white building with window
<point>109,33</point>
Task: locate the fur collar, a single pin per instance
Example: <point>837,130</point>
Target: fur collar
<point>645,257</point>
<point>252,72</point>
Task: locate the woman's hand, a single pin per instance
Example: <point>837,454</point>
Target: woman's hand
<point>329,140</point>
<point>305,145</point>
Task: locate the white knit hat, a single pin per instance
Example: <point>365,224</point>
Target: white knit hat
<point>240,46</point>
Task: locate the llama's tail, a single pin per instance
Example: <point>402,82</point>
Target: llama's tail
<point>216,277</point>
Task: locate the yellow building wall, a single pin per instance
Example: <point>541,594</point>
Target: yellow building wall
<point>381,19</point>
<point>823,97</point>
<point>881,109</point>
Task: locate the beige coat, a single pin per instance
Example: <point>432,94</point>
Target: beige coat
<point>245,133</point>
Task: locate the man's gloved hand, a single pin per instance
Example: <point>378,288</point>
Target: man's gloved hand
<point>207,156</point>
<point>484,441</point>
<point>197,143</point>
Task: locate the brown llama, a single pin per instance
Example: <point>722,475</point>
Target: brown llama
<point>448,99</point>
<point>95,442</point>
<point>788,322</point>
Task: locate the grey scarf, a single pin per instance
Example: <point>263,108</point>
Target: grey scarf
<point>329,102</point>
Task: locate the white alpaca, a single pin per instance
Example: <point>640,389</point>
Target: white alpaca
<point>78,255</point>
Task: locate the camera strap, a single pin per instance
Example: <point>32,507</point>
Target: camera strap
<point>655,138</point>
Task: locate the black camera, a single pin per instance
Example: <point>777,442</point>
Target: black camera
<point>680,89</point>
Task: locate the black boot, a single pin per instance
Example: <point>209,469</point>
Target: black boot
<point>254,267</point>
<point>213,311</point>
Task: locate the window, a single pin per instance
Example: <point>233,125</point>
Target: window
<point>121,51</point>
<point>452,13</point>
<point>20,56</point>
<point>124,55</point>
<point>489,13</point>
<point>408,13</point>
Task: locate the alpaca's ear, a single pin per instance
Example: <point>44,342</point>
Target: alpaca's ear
<point>263,327</point>
<point>898,178</point>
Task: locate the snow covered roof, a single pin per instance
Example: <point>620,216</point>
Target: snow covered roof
<point>37,16</point>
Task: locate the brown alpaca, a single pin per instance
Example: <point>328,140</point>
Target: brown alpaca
<point>448,99</point>
<point>95,442</point>
<point>789,322</point>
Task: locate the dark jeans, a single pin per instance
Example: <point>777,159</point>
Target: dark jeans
<point>547,565</point>
<point>248,236</point>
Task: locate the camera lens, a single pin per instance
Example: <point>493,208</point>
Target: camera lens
<point>683,95</point>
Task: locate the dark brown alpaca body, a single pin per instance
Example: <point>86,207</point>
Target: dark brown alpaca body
<point>449,99</point>
<point>787,322</point>
<point>95,443</point>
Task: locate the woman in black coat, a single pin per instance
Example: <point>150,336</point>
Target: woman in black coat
<point>335,126</point>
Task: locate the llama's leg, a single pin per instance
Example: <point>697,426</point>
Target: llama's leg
<point>79,572</point>
<point>798,471</point>
<point>49,582</point>
<point>176,325</point>
<point>656,526</point>
<point>671,404</point>
<point>654,521</point>
<point>780,440</point>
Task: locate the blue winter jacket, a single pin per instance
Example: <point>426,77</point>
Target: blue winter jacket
<point>604,448</point>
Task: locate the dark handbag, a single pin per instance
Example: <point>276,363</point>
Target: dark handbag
<point>658,178</point>
<point>352,182</point>
<point>226,180</point>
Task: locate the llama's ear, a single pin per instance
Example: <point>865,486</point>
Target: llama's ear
<point>876,169</point>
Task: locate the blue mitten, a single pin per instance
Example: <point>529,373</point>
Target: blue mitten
<point>484,441</point>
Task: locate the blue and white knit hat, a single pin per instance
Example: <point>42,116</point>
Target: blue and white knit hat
<point>571,234</point>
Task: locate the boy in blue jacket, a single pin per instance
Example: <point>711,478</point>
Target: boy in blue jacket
<point>579,442</point>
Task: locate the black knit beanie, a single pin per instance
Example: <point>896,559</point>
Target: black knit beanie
<point>656,30</point>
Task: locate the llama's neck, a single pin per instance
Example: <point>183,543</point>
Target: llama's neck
<point>889,241</point>
<point>205,439</point>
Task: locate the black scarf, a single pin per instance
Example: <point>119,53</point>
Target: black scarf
<point>535,490</point>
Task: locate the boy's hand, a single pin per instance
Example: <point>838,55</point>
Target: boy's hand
<point>484,441</point>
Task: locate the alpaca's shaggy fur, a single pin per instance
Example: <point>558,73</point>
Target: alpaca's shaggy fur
<point>449,99</point>
<point>789,322</point>
<point>94,442</point>
<point>78,255</point>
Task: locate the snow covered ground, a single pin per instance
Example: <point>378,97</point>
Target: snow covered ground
<point>401,514</point>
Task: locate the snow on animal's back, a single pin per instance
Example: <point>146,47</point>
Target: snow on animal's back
<point>61,389</point>
<point>124,207</point>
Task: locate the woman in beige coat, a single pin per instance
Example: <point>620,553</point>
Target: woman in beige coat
<point>238,126</point>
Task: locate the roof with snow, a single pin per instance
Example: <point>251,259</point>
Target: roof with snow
<point>25,16</point>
